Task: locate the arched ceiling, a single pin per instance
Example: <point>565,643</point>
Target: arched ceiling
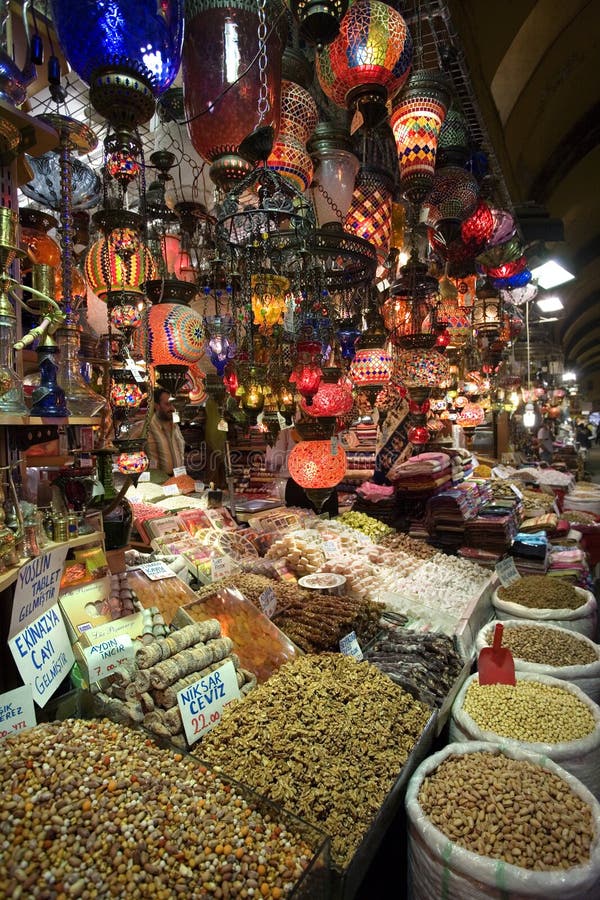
<point>534,68</point>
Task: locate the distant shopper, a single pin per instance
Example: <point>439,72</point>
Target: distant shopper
<point>546,441</point>
<point>165,443</point>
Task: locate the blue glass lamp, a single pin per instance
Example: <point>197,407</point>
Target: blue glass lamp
<point>129,53</point>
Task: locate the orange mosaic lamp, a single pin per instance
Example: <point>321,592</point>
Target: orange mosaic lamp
<point>370,213</point>
<point>317,467</point>
<point>299,115</point>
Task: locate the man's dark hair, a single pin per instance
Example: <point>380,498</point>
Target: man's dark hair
<point>158,392</point>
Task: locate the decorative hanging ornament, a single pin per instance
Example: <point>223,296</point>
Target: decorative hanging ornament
<point>317,466</point>
<point>477,229</point>
<point>175,335</point>
<point>307,373</point>
<point>223,42</point>
<point>128,53</point>
<point>107,270</point>
<point>416,122</point>
<point>370,213</point>
<point>333,397</point>
<point>299,115</point>
<point>370,57</point>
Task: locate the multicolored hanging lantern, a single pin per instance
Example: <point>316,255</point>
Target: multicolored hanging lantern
<point>221,45</point>
<point>129,53</point>
<point>372,53</point>
<point>299,115</point>
<point>252,390</point>
<point>175,335</point>
<point>317,467</point>
<point>452,199</point>
<point>132,462</point>
<point>371,367</point>
<point>471,415</point>
<point>347,335</point>
<point>370,213</point>
<point>416,122</point>
<point>106,270</point>
<point>422,368</point>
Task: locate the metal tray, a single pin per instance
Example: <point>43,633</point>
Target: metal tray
<point>254,506</point>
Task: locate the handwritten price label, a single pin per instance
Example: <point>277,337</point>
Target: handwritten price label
<point>170,490</point>
<point>144,476</point>
<point>16,711</point>
<point>105,658</point>
<point>156,571</point>
<point>507,571</point>
<point>268,602</point>
<point>179,470</point>
<point>201,705</point>
<point>220,567</point>
<point>349,646</point>
<point>330,548</point>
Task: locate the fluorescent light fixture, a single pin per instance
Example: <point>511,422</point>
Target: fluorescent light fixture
<point>569,376</point>
<point>529,415</point>
<point>549,304</point>
<point>550,274</point>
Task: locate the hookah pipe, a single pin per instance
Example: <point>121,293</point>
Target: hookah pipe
<point>53,317</point>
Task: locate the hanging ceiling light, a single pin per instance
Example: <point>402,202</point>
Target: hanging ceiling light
<point>319,19</point>
<point>222,43</point>
<point>317,467</point>
<point>416,122</point>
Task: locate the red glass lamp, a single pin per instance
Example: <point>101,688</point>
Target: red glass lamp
<point>220,45</point>
<point>333,397</point>
<point>307,374</point>
<point>316,467</point>
<point>371,56</point>
<point>477,229</point>
<point>416,123</point>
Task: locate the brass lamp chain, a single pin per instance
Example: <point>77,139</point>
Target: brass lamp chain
<point>263,95</point>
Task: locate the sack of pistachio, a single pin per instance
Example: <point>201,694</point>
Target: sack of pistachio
<point>499,823</point>
<point>542,598</point>
<point>540,714</point>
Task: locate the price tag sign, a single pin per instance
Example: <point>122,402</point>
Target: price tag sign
<point>156,571</point>
<point>105,658</point>
<point>222,425</point>
<point>16,711</point>
<point>220,567</point>
<point>170,490</point>
<point>518,494</point>
<point>144,476</point>
<point>179,470</point>
<point>363,538</point>
<point>268,602</point>
<point>507,571</point>
<point>198,486</point>
<point>37,588</point>
<point>135,498</point>
<point>43,654</point>
<point>134,369</point>
<point>330,548</point>
<point>176,418</point>
<point>349,646</point>
<point>201,705</point>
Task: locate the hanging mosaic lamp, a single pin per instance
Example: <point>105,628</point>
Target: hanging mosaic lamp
<point>221,44</point>
<point>422,368</point>
<point>269,295</point>
<point>307,373</point>
<point>477,229</point>
<point>175,335</point>
<point>333,398</point>
<point>369,60</point>
<point>452,199</point>
<point>108,269</point>
<point>319,20</point>
<point>132,462</point>
<point>519,296</point>
<point>317,467</point>
<point>336,168</point>
<point>453,141</point>
<point>252,390</point>
<point>370,213</point>
<point>371,367</point>
<point>347,335</point>
<point>518,280</point>
<point>299,116</point>
<point>416,122</point>
<point>471,415</point>
<point>486,314</point>
<point>128,53</point>
<point>508,269</point>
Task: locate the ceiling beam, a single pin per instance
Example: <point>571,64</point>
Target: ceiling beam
<point>575,145</point>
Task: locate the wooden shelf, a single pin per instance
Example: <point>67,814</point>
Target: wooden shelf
<point>48,462</point>
<point>26,421</point>
<point>9,577</point>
